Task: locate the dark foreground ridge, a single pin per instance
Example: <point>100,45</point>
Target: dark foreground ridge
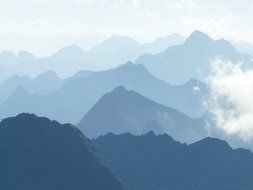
<point>151,162</point>
<point>39,154</point>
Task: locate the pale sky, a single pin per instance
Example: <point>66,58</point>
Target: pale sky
<point>43,26</point>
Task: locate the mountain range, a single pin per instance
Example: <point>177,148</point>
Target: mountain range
<point>35,148</point>
<point>8,57</point>
<point>172,58</point>
<point>37,153</point>
<point>112,52</point>
<point>42,84</point>
<point>180,63</point>
<point>151,162</point>
<point>122,111</point>
<point>74,99</point>
<point>124,115</point>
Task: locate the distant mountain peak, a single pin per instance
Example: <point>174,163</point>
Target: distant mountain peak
<point>120,93</point>
<point>122,110</point>
<point>120,88</point>
<point>150,133</point>
<point>173,36</point>
<point>211,142</point>
<point>69,52</point>
<point>25,56</point>
<point>8,57</point>
<point>72,47</point>
<point>199,34</point>
<point>198,37</point>
<point>47,75</point>
<point>114,43</point>
<point>131,65</point>
<point>226,45</point>
<point>20,91</point>
<point>7,53</point>
<point>121,38</point>
<point>117,36</point>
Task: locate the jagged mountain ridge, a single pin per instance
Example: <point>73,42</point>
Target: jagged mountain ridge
<point>150,162</point>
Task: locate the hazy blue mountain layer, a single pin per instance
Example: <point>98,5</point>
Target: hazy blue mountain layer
<point>122,111</point>
<point>72,101</point>
<point>112,52</point>
<point>179,63</point>
<point>42,84</point>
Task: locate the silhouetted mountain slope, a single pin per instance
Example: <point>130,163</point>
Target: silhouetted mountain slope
<point>162,43</point>
<point>112,52</point>
<point>180,63</point>
<point>25,56</point>
<point>37,153</point>
<point>8,86</point>
<point>114,43</point>
<point>76,97</point>
<point>68,60</point>
<point>6,72</point>
<point>9,61</point>
<point>71,53</point>
<point>42,84</point>
<point>122,111</point>
<point>80,74</point>
<point>10,58</point>
<point>151,162</point>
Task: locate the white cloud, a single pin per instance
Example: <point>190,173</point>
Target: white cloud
<point>231,98</point>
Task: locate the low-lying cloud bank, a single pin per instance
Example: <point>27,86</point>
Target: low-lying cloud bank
<point>231,98</point>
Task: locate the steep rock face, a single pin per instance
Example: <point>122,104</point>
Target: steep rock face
<point>37,153</point>
<point>151,162</point>
<point>122,111</point>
